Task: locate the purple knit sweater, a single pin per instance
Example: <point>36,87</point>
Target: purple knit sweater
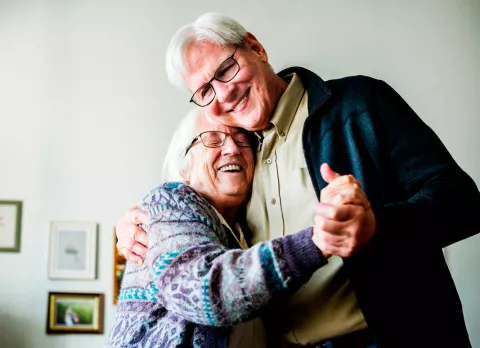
<point>193,286</point>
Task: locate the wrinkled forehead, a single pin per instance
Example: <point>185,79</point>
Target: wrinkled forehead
<point>201,59</point>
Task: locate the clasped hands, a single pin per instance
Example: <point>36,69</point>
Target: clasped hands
<point>344,221</point>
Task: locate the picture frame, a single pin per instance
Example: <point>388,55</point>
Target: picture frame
<point>119,264</point>
<point>10,225</point>
<point>73,250</point>
<point>75,313</point>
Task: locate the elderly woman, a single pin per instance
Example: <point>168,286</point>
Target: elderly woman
<point>199,280</point>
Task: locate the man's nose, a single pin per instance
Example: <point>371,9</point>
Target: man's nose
<point>223,90</point>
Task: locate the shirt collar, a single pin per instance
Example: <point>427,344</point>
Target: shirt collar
<point>317,90</point>
<point>237,232</point>
<point>287,106</point>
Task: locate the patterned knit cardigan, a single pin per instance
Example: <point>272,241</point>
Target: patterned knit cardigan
<point>192,287</point>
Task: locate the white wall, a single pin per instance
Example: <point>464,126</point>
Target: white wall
<point>86,113</point>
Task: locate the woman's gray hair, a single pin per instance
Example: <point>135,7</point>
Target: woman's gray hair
<point>177,164</point>
<point>211,27</point>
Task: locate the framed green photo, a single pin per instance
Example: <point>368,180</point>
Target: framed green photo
<point>10,225</point>
<point>74,313</point>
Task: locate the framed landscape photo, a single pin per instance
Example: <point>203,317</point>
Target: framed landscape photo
<point>73,250</point>
<point>74,313</point>
<point>10,225</point>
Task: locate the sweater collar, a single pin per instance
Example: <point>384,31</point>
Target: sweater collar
<point>317,89</point>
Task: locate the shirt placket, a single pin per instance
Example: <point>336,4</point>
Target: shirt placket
<point>272,185</point>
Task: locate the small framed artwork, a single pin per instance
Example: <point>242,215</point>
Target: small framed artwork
<point>74,313</point>
<point>73,250</point>
<point>119,263</point>
<point>10,225</point>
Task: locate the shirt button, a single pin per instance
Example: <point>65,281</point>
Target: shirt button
<point>268,161</point>
<point>282,134</point>
<point>273,201</point>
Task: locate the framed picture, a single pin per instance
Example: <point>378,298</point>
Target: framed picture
<point>74,313</point>
<point>119,263</point>
<point>10,225</point>
<point>73,250</point>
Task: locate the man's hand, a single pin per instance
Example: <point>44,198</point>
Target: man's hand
<point>132,240</point>
<point>344,221</point>
<point>341,189</point>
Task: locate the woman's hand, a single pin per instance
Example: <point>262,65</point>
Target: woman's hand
<point>132,241</point>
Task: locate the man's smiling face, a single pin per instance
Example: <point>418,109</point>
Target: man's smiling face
<point>249,99</point>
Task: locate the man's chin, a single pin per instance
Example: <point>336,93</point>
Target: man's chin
<point>254,123</point>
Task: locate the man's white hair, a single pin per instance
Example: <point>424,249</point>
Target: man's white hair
<point>177,164</point>
<point>210,27</point>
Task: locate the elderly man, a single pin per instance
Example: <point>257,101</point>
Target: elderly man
<point>387,280</point>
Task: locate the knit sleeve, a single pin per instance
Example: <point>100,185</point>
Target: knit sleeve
<point>203,281</point>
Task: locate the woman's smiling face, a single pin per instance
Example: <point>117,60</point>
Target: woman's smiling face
<point>224,174</point>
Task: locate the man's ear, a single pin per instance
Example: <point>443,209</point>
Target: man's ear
<point>256,47</point>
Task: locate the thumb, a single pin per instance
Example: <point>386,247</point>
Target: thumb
<point>327,173</point>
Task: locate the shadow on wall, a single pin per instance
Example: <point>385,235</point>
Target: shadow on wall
<point>13,333</point>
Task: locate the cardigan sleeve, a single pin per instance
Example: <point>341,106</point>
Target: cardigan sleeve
<point>203,281</point>
<point>440,202</point>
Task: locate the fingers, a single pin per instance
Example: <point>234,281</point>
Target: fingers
<point>327,173</point>
<point>337,213</point>
<point>344,180</point>
<point>130,256</point>
<point>346,194</point>
<point>322,223</point>
<point>132,240</point>
<point>141,237</point>
<point>331,247</point>
<point>137,216</point>
<point>342,230</point>
<point>333,178</point>
<point>342,189</point>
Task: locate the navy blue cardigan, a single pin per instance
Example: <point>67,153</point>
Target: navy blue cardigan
<point>421,198</point>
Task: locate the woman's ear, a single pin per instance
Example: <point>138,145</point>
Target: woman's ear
<point>256,47</point>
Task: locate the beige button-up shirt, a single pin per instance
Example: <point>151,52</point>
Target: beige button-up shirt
<point>282,203</point>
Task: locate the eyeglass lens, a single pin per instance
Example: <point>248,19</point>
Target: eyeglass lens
<point>216,138</point>
<point>224,73</point>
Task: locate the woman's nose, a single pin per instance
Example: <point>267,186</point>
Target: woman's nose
<point>229,146</point>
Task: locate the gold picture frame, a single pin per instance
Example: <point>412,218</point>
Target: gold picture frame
<point>75,313</point>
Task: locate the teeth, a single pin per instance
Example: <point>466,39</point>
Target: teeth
<point>230,167</point>
<point>240,103</point>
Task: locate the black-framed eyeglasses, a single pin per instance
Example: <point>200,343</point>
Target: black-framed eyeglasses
<point>224,73</point>
<point>218,138</point>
